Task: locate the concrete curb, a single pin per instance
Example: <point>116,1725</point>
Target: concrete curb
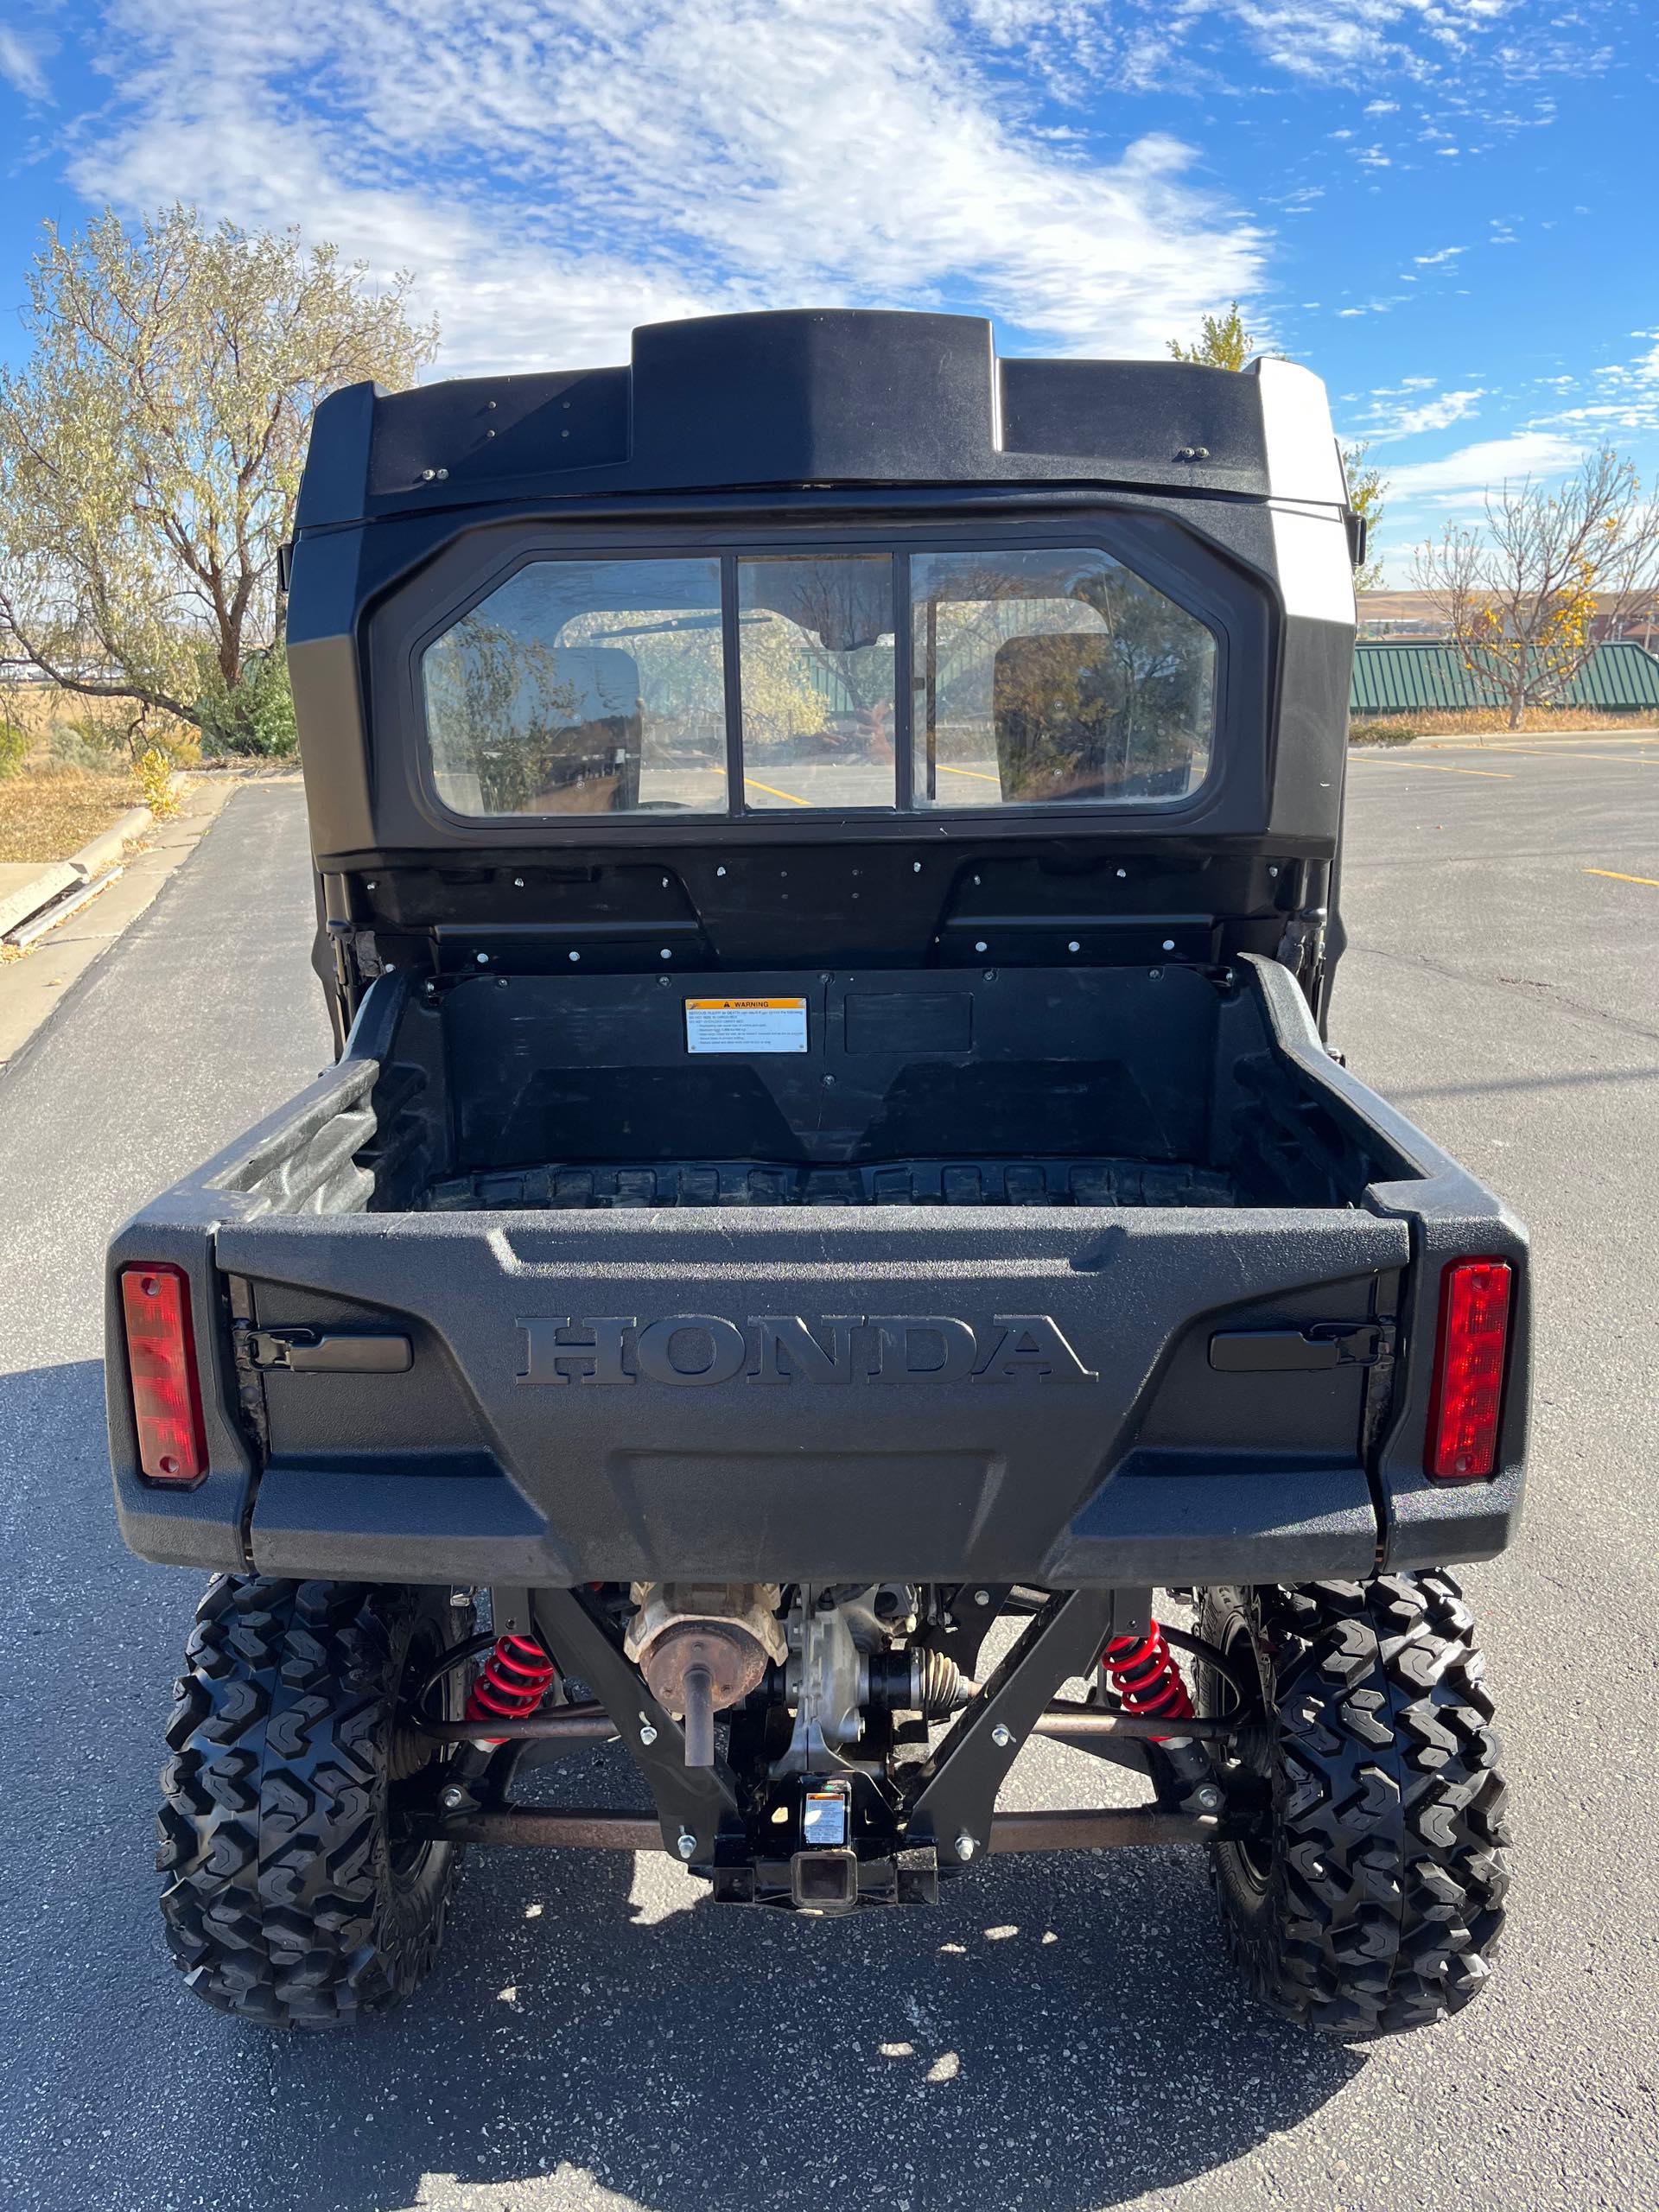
<point>108,845</point>
<point>16,906</point>
<point>19,908</point>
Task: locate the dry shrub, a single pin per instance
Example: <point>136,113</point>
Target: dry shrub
<point>153,773</point>
<point>1478,722</point>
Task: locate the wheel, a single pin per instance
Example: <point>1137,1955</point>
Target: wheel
<point>291,1896</point>
<point>1373,1899</point>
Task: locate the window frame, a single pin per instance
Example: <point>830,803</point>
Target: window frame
<point>1099,527</point>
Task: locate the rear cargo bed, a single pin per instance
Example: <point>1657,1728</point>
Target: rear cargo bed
<point>1114,1086</point>
<point>516,1295</point>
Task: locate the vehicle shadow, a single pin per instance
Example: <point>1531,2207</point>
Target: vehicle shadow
<point>1062,2032</point>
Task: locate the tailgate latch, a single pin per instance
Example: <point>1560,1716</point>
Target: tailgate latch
<point>332,1351</point>
<point>1322,1346</point>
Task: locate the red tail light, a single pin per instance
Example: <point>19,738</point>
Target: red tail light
<point>1469,1369</point>
<point>161,1360</point>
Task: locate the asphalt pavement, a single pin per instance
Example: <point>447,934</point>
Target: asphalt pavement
<point>1062,2034</point>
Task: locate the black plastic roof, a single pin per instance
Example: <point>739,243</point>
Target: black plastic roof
<point>837,397</point>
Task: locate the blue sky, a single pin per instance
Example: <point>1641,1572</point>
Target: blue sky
<point>1445,207</point>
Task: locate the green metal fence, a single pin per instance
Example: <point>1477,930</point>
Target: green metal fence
<point>1402,679</point>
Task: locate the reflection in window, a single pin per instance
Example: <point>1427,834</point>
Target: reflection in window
<point>816,633</point>
<point>1054,677</point>
<point>582,687</point>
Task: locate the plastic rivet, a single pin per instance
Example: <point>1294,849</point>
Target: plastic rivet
<point>483,959</point>
<point>1169,944</point>
<point>981,946</point>
<point>1123,872</point>
<point>576,956</point>
<point>1001,1737</point>
<point>647,1735</point>
<point>688,1843</point>
<point>664,952</point>
<point>1074,946</point>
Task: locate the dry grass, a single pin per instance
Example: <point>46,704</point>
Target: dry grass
<point>40,708</point>
<point>1392,728</point>
<point>46,813</point>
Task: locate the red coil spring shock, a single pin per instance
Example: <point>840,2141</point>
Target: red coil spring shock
<point>515,1677</point>
<point>1143,1671</point>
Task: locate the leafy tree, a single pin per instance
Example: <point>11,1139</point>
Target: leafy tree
<point>150,451</point>
<point>1520,592</point>
<point>1367,488</point>
<point>1222,342</point>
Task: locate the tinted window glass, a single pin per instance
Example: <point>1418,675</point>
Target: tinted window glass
<point>582,687</point>
<point>817,655</point>
<point>1054,678</point>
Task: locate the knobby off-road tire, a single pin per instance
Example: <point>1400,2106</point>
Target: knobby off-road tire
<point>1375,1902</point>
<point>289,1896</point>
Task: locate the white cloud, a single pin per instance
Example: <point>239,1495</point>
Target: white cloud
<point>1445,253</point>
<point>22,61</point>
<point>556,174</point>
<point>1626,398</point>
<point>1316,38</point>
<point>1534,453</point>
<point>1437,414</point>
<point>1381,107</point>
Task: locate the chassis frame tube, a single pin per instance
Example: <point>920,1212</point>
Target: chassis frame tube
<point>1105,1829</point>
<point>591,1723</point>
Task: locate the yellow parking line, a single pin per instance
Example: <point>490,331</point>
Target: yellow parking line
<point>1492,775</point>
<point>1612,759</point>
<point>1652,881</point>
<point>978,774</point>
<point>1547,737</point>
<point>771,792</point>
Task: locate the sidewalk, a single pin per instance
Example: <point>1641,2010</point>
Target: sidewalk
<point>32,985</point>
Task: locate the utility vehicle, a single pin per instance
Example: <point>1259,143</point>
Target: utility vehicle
<point>833,1191</point>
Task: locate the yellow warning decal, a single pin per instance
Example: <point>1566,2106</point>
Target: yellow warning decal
<point>748,1025</point>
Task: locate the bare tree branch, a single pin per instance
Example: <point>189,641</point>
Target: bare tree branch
<point>1521,593</point>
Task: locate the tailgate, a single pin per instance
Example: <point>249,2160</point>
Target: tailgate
<point>825,1395</point>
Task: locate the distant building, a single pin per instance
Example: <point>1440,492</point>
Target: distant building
<point>1420,614</point>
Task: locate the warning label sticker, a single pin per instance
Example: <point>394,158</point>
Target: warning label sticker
<point>745,1024</point>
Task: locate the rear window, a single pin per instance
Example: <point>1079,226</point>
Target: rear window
<point>1037,677</point>
<point>583,686</point>
<point>1046,678</point>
